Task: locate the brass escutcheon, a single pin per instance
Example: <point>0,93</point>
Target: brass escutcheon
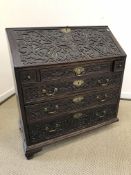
<point>78,99</point>
<point>78,83</point>
<point>79,70</point>
<point>66,30</point>
<point>77,115</point>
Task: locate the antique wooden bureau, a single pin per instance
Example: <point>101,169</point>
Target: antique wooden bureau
<point>68,81</point>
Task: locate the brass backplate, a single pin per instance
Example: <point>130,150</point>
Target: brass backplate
<point>78,99</point>
<point>77,115</point>
<point>79,70</point>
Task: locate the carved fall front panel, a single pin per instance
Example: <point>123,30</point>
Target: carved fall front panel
<point>56,46</point>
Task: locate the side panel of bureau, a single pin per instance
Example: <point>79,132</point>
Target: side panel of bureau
<point>23,119</point>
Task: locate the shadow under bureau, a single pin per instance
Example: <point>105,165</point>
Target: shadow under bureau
<point>68,81</point>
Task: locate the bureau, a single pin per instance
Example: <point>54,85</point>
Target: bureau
<point>68,81</point>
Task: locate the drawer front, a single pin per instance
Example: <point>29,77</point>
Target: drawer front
<point>51,108</point>
<point>28,76</point>
<point>54,89</point>
<point>119,65</point>
<point>77,70</point>
<point>47,130</point>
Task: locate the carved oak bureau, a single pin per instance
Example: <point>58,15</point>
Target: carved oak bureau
<point>68,81</point>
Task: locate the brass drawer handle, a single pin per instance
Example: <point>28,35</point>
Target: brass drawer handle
<point>49,130</point>
<point>50,94</point>
<point>78,83</point>
<point>104,84</point>
<point>77,115</point>
<point>101,114</point>
<point>52,130</point>
<point>78,99</point>
<point>57,125</point>
<point>102,99</point>
<point>51,112</point>
<point>79,71</point>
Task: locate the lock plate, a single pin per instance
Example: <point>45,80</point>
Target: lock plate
<point>78,83</point>
<point>66,30</point>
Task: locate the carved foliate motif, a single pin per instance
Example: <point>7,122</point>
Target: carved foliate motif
<point>35,92</point>
<point>37,112</point>
<point>50,46</point>
<point>44,131</point>
<point>58,72</point>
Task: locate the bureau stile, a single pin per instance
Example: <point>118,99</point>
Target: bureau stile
<point>68,81</point>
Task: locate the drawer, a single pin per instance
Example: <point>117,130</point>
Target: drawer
<point>27,76</point>
<point>47,130</point>
<point>119,65</point>
<point>52,108</point>
<point>54,89</point>
<point>75,70</point>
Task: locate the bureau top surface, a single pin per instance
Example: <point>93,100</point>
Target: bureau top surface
<point>59,45</point>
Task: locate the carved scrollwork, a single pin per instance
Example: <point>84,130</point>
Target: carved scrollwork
<point>54,46</point>
<point>45,131</point>
<point>33,93</point>
<point>47,110</point>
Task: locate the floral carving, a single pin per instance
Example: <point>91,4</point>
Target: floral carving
<point>34,93</point>
<point>50,46</point>
<point>37,112</point>
<point>47,130</point>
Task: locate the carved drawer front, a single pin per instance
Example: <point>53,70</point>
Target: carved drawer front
<point>27,76</point>
<point>43,91</point>
<point>77,70</point>
<point>42,131</point>
<point>51,108</point>
<point>119,65</point>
